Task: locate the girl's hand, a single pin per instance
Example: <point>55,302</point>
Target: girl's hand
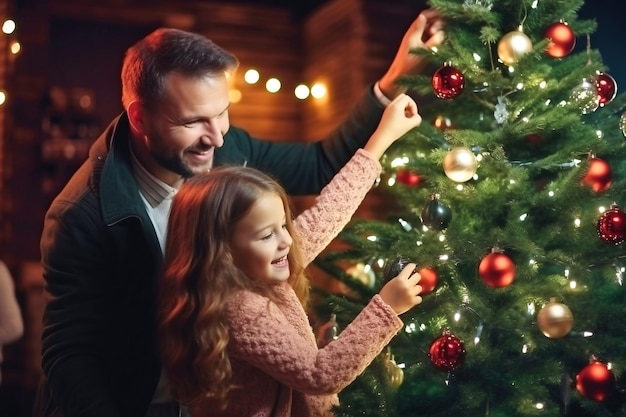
<point>403,292</point>
<point>399,117</point>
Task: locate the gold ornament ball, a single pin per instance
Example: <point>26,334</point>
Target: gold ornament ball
<point>394,372</point>
<point>327,332</point>
<point>460,164</point>
<point>363,273</point>
<point>555,320</point>
<point>513,46</point>
<point>622,123</point>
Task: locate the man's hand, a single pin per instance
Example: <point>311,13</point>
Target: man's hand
<point>426,31</point>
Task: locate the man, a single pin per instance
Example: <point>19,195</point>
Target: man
<point>104,233</point>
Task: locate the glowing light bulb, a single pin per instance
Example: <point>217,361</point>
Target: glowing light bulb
<point>8,26</point>
<point>273,85</point>
<point>302,91</point>
<point>251,76</point>
<point>318,90</point>
<point>16,47</point>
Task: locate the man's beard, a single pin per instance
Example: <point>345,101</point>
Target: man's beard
<point>171,160</point>
<point>174,164</point>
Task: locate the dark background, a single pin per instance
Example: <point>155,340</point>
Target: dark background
<point>610,37</point>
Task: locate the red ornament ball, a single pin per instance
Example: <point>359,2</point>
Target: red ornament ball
<point>598,176</point>
<point>447,352</point>
<point>612,225</point>
<point>497,270</point>
<point>408,178</point>
<point>607,88</point>
<point>562,39</point>
<point>443,123</point>
<point>448,82</point>
<point>429,280</point>
<point>595,381</point>
<point>535,139</point>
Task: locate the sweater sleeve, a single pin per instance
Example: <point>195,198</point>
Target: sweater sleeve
<point>334,207</point>
<point>265,339</point>
<point>304,168</point>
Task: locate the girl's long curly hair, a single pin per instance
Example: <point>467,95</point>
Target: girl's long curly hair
<point>199,276</point>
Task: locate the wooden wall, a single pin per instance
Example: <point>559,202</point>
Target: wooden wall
<point>349,44</point>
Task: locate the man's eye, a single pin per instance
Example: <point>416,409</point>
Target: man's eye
<point>190,124</point>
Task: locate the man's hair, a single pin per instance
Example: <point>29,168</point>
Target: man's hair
<point>148,62</point>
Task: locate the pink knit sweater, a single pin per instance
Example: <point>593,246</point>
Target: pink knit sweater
<point>276,364</point>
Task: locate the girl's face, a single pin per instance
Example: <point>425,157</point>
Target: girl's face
<point>261,242</point>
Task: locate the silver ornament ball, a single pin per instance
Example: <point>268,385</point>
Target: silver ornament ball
<point>585,97</point>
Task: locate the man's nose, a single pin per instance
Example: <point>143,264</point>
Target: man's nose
<point>213,135</point>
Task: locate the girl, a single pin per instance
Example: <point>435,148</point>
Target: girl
<point>235,337</point>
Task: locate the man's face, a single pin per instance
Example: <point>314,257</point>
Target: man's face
<point>183,131</point>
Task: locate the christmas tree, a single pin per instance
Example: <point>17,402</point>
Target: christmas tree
<point>510,199</point>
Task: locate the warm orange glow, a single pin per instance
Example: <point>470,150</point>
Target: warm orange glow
<point>234,95</point>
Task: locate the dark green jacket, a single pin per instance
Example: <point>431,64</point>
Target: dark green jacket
<point>101,257</point>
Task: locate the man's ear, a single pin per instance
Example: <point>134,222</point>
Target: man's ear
<point>135,117</point>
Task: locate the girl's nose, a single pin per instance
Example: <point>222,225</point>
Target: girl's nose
<point>286,239</point>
